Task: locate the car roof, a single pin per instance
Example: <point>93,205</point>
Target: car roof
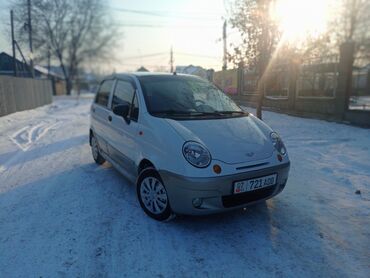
<point>139,74</point>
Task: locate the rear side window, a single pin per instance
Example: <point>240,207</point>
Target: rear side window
<point>102,96</point>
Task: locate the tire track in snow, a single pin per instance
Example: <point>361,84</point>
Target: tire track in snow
<point>27,136</point>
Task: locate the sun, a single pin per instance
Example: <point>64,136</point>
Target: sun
<point>301,18</point>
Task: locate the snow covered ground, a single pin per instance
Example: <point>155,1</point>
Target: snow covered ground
<point>61,215</point>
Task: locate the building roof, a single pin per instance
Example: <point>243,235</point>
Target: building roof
<point>6,68</point>
<point>45,71</point>
<point>142,69</point>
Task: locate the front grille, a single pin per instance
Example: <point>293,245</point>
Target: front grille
<point>252,166</point>
<point>247,197</point>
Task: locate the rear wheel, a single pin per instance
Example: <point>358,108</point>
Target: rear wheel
<point>152,195</point>
<point>95,151</point>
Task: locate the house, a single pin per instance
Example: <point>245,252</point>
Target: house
<point>23,70</point>
<point>7,67</point>
<point>142,69</point>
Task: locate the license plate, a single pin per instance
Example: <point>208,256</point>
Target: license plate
<point>254,184</point>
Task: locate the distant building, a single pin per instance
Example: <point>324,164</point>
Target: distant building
<point>142,69</point>
<point>23,70</point>
<point>6,68</point>
<point>196,70</point>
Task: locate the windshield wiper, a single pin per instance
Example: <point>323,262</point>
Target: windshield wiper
<point>232,112</point>
<point>221,113</point>
<point>176,112</point>
<point>179,113</point>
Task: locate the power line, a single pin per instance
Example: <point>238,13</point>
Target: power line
<point>201,16</point>
<point>145,56</point>
<point>149,55</point>
<point>197,55</point>
<point>156,25</point>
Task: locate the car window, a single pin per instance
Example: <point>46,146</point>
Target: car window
<point>184,95</point>
<point>102,96</point>
<point>135,109</point>
<point>124,93</point>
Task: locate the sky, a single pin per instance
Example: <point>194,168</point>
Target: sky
<point>193,28</point>
<point>148,29</point>
<point>5,44</point>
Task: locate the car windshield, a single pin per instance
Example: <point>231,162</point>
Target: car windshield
<point>175,96</point>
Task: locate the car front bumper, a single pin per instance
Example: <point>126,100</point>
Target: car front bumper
<point>216,193</point>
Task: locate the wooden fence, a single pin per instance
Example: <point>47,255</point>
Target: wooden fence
<point>18,94</point>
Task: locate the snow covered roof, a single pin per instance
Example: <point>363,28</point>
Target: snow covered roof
<point>45,71</point>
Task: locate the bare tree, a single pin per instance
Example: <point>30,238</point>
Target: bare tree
<point>72,32</point>
<point>260,36</point>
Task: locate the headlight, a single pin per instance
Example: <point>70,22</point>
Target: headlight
<point>278,143</point>
<point>196,154</point>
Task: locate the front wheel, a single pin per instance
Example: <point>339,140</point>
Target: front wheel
<point>153,196</point>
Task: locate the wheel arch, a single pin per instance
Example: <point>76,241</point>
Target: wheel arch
<point>144,163</point>
<point>90,135</point>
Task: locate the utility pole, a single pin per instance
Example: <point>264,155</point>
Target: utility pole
<point>171,60</point>
<point>224,66</point>
<point>13,44</point>
<point>30,37</point>
<point>49,60</point>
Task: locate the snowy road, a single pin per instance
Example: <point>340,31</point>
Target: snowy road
<point>61,215</point>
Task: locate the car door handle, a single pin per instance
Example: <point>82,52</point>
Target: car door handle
<point>109,118</point>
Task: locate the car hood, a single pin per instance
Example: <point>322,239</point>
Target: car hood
<point>231,140</point>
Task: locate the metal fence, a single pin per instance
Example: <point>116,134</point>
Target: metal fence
<point>278,78</point>
<point>316,86</point>
<point>360,92</point>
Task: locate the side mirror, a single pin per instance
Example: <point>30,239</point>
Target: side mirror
<point>122,110</point>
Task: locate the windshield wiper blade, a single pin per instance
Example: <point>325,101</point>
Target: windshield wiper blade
<point>171,112</point>
<point>223,113</point>
<point>231,112</point>
<point>177,112</point>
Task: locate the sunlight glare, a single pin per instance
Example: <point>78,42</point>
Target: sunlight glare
<point>299,19</point>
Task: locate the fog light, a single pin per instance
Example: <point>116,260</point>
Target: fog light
<point>217,169</point>
<point>197,202</point>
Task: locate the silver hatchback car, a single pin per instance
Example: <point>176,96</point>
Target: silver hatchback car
<point>187,146</point>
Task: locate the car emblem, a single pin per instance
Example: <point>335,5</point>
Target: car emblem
<point>250,154</point>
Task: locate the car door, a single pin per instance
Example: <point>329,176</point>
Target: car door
<point>100,114</point>
<point>123,147</point>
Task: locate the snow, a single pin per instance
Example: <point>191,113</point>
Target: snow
<point>61,215</point>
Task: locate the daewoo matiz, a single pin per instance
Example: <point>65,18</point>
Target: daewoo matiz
<point>188,147</point>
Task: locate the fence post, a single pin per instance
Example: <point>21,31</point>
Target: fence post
<point>240,77</point>
<point>344,85</point>
<point>293,78</point>
<point>2,100</point>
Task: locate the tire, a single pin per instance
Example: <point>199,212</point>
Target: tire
<point>99,159</point>
<point>152,195</point>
